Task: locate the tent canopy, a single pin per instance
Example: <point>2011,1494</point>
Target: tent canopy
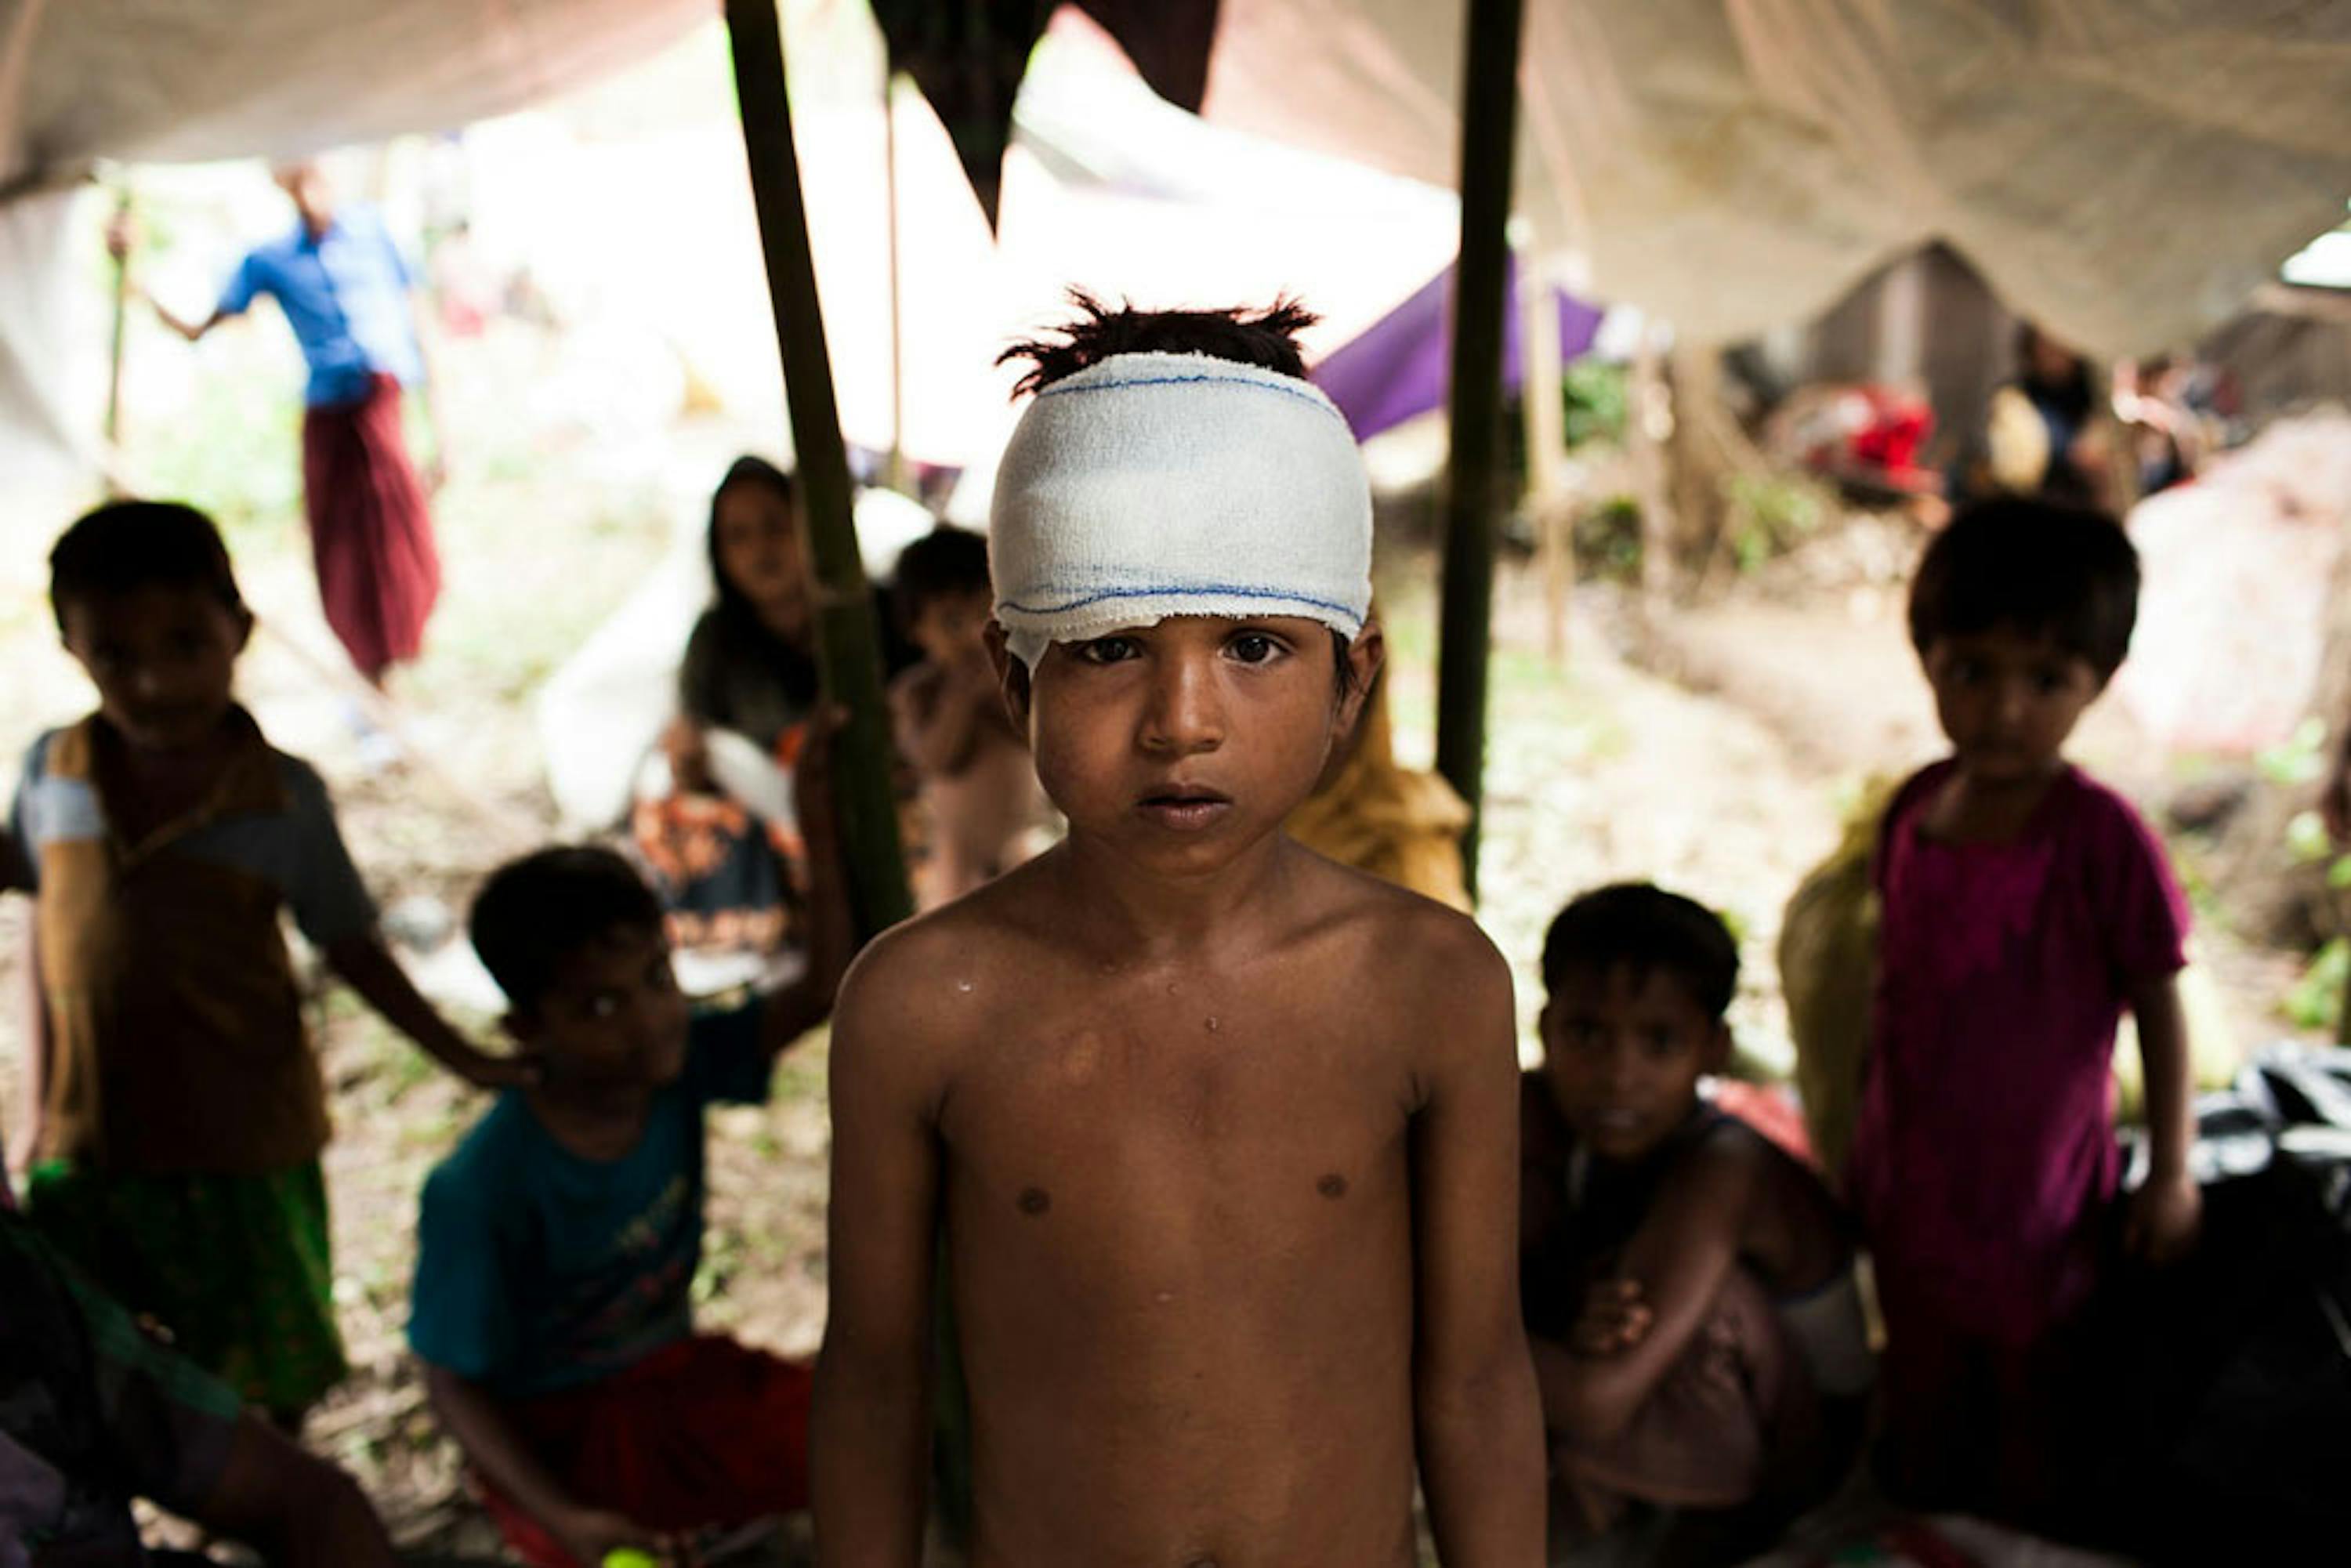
<point>2124,174</point>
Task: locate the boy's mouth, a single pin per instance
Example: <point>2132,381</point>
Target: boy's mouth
<point>1185,808</point>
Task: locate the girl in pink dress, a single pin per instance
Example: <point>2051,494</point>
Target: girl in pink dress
<point>2025,906</point>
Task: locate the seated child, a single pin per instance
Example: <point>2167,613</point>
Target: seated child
<point>2025,906</point>
<point>94,1412</point>
<point>1220,1135</point>
<point>557,1246</point>
<point>180,1110</point>
<point>978,785</point>
<point>1687,1287</point>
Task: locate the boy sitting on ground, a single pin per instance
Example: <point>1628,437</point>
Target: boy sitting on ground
<point>979,788</point>
<point>557,1244</point>
<point>1688,1287</point>
<point>1220,1134</point>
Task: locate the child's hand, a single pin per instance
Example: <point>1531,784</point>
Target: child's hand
<point>483,1069</point>
<point>1615,1318</point>
<point>2160,1224</point>
<point>812,793</point>
<point>592,1534</point>
<point>689,756</point>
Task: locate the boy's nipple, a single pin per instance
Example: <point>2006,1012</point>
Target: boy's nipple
<point>1034,1201</point>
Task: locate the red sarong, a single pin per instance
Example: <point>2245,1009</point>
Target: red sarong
<point>369,534</point>
<point>703,1432</point>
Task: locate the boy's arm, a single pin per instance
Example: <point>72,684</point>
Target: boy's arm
<point>1685,1246</point>
<point>2163,1216</point>
<point>474,1420</point>
<point>832,936</point>
<point>869,1444</point>
<point>938,717</point>
<point>367,967</point>
<point>297,1510</point>
<point>1477,1421</point>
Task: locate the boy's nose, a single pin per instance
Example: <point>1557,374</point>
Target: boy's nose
<point>1187,712</point>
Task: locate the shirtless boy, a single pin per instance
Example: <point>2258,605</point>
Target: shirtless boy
<point>1222,1136</point>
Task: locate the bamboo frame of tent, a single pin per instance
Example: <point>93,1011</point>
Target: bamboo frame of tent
<point>1489,97</point>
<point>849,651</point>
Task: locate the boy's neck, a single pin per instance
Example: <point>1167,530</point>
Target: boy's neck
<point>1151,914</point>
<point>1974,808</point>
<point>594,1122</point>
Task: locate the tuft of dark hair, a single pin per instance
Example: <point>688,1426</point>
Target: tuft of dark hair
<point>535,913</point>
<point>945,561</point>
<point>1266,338</point>
<point>125,545</point>
<point>1645,929</point>
<point>2042,567</point>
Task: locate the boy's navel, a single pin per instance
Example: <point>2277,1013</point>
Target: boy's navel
<point>1332,1186</point>
<point>1034,1201</point>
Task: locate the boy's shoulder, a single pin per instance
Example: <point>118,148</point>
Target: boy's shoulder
<point>480,1176</point>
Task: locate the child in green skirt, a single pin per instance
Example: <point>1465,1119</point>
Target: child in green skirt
<point>179,1109</point>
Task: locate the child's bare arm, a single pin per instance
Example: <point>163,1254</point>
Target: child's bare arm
<point>33,1123</point>
<point>474,1420</point>
<point>367,967</point>
<point>296,1508</point>
<point>938,717</point>
<point>869,1440</point>
<point>2165,1214</point>
<point>1478,1422</point>
<point>1687,1245</point>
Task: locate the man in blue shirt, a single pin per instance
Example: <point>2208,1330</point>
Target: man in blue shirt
<point>343,287</point>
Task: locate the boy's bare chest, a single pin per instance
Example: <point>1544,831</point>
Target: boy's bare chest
<point>1183,1095</point>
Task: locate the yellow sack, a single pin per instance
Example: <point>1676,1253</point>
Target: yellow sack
<point>1828,975</point>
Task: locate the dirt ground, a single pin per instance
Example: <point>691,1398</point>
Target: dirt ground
<point>1601,770</point>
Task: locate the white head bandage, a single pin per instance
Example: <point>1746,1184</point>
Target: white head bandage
<point>1156,485</point>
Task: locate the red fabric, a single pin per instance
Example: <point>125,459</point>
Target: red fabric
<point>371,536</point>
<point>701,1433</point>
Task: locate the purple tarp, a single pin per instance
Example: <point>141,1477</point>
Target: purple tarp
<point>1402,365</point>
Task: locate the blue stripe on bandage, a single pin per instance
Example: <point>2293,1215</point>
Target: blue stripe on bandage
<point>1186,590</point>
<point>1305,394</point>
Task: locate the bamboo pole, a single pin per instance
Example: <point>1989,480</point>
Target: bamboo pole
<point>1489,94</point>
<point>121,302</point>
<point>896,470</point>
<point>848,644</point>
<point>1541,399</point>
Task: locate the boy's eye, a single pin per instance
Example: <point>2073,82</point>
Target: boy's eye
<point>1253,647</point>
<point>2050,681</point>
<point>1108,649</point>
<point>604,1005</point>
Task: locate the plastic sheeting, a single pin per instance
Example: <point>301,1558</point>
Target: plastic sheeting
<point>174,80</point>
<point>2124,172</point>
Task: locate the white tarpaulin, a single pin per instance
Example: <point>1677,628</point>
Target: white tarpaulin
<point>2123,171</point>
<point>174,80</point>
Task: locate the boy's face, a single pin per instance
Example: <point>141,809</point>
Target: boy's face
<point>1622,1050</point>
<point>1178,744</point>
<point>162,656</point>
<point>952,626</point>
<point>615,1018</point>
<point>2008,699</point>
<point>758,550</point>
